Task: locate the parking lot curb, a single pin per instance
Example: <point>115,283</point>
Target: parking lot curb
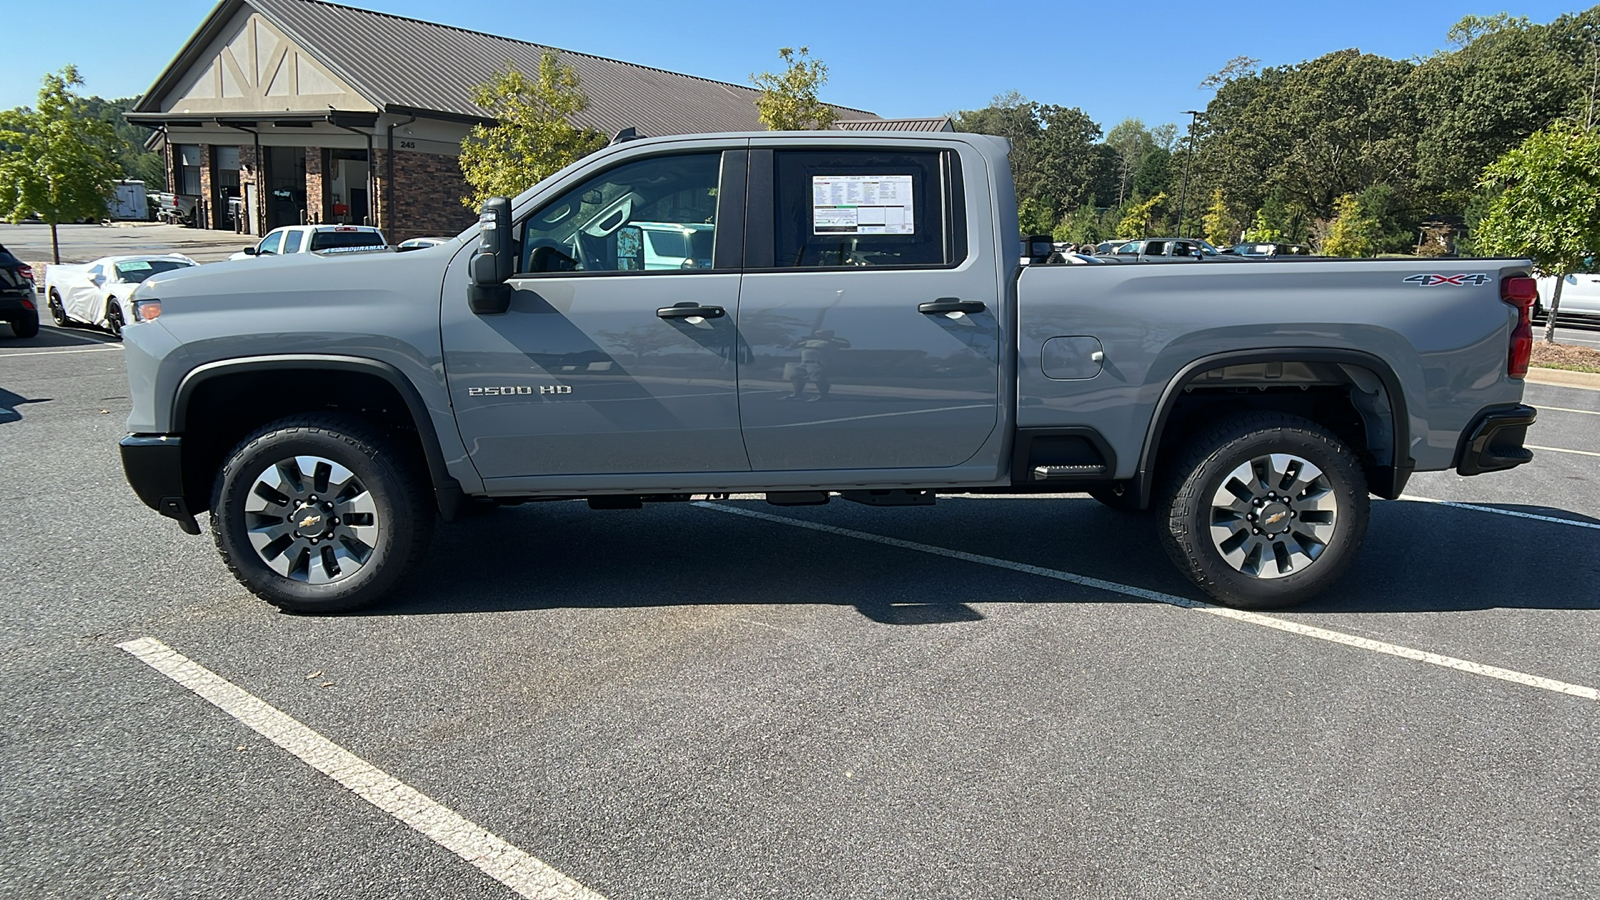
<point>1564,378</point>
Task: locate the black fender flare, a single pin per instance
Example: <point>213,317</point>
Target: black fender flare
<point>1393,477</point>
<point>447,490</point>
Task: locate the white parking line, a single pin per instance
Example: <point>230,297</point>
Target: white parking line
<point>1238,615</point>
<point>95,349</point>
<point>1561,450</point>
<point>501,861</point>
<point>1557,520</point>
<point>1587,412</point>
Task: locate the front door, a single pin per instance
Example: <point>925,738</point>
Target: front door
<point>609,360</point>
<point>872,325</point>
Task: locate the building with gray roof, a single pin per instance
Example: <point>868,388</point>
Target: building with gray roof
<point>282,111</point>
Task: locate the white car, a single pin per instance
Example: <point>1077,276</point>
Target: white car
<point>315,239</point>
<point>422,243</point>
<point>97,293</point>
<point>1580,296</point>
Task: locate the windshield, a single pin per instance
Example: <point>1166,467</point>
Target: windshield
<point>345,240</point>
<point>137,270</point>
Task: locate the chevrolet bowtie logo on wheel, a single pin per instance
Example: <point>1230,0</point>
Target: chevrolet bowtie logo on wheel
<point>310,520</point>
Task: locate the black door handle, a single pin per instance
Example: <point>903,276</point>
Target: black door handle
<point>950,305</point>
<point>687,310</point>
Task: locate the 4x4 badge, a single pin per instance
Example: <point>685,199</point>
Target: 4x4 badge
<point>1452,280</point>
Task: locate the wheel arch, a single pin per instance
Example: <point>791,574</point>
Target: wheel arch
<point>1385,420</point>
<point>372,389</point>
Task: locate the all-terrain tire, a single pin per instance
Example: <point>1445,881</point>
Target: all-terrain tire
<point>1264,510</point>
<point>321,513</point>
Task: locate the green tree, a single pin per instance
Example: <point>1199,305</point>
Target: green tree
<point>1547,204</point>
<point>131,156</point>
<point>1137,220</point>
<point>1353,232</point>
<point>1311,132</point>
<point>1218,223</point>
<point>58,160</point>
<point>1271,223</point>
<point>788,100</point>
<point>1504,83</point>
<point>534,136</point>
<point>1130,141</point>
<point>1054,159</point>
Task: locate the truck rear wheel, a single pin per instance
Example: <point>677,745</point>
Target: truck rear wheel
<point>1265,510</point>
<point>320,513</point>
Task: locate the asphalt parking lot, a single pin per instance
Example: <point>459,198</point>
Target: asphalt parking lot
<point>985,698</point>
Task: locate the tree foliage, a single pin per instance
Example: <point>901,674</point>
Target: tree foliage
<point>1547,203</point>
<point>1353,232</point>
<point>788,100</point>
<point>58,161</point>
<point>131,156</point>
<point>1054,160</point>
<point>1218,224</point>
<point>534,136</point>
<point>1136,222</point>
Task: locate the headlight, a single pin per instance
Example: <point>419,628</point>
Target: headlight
<point>146,308</point>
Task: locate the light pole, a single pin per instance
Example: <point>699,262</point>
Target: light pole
<point>1188,160</point>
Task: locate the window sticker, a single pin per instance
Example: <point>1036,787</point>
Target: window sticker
<point>862,204</point>
<point>134,265</point>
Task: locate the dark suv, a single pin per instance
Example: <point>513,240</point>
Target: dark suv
<point>16,296</point>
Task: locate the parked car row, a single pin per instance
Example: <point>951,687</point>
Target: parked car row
<point>99,293</point>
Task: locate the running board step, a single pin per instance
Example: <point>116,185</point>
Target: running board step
<point>1054,473</point>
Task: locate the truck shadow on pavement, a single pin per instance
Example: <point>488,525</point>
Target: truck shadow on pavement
<point>9,403</point>
<point>1418,557</point>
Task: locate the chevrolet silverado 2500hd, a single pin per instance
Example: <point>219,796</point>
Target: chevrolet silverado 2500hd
<point>806,316</point>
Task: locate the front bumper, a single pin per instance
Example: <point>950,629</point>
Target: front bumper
<point>153,464</point>
<point>1494,442</point>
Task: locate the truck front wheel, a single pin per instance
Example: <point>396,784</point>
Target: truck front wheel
<point>320,513</point>
<point>1265,510</point>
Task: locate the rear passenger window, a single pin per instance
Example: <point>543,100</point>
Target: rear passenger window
<point>291,242</point>
<point>868,208</point>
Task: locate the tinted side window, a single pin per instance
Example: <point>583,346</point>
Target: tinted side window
<point>291,242</point>
<point>270,245</point>
<point>656,214</point>
<point>867,208</point>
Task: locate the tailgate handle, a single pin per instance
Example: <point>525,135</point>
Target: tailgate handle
<point>950,305</point>
<point>691,310</point>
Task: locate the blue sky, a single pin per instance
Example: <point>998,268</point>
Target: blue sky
<point>893,58</point>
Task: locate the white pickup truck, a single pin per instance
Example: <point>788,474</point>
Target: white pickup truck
<point>315,239</point>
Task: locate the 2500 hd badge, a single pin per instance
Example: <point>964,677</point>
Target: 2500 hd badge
<point>509,390</point>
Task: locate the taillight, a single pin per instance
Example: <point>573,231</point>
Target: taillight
<point>26,271</point>
<point>1522,292</point>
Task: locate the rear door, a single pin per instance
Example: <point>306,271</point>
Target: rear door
<point>868,316</point>
<point>609,362</point>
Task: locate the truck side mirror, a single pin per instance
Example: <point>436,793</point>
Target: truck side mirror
<point>249,251</point>
<point>493,262</point>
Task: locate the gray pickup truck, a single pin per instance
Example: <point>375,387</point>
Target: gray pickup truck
<point>805,316</point>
